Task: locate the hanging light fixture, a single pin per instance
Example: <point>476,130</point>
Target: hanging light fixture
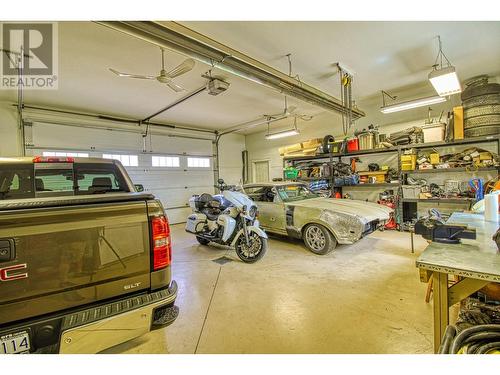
<point>284,133</point>
<point>444,79</point>
<point>415,103</point>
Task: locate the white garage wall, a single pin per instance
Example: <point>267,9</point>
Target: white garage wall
<point>9,140</point>
<point>230,158</point>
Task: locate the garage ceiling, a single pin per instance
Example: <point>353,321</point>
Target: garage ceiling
<point>383,55</point>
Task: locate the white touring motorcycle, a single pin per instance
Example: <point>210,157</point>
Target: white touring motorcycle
<point>228,219</point>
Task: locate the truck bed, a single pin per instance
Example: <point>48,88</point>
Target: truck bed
<point>72,251</point>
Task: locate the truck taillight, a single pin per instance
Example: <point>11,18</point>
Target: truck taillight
<point>52,159</point>
<point>162,249</point>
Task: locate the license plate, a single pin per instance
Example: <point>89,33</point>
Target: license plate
<point>15,343</point>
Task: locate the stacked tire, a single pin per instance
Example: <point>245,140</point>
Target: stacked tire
<point>481,102</point>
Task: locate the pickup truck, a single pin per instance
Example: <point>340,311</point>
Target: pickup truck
<point>84,257</point>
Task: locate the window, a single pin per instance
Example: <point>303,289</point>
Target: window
<point>198,162</point>
<point>16,182</point>
<point>126,160</point>
<point>54,180</point>
<point>297,192</point>
<point>70,154</point>
<point>99,178</point>
<point>165,161</point>
<point>260,193</point>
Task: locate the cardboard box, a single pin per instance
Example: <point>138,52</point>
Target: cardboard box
<point>312,143</point>
<point>458,122</point>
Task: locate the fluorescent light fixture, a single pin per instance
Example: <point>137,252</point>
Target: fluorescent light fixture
<point>285,133</point>
<point>445,81</point>
<point>412,104</point>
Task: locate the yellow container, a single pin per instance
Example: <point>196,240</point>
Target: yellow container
<point>434,158</point>
<point>408,162</point>
<point>379,176</point>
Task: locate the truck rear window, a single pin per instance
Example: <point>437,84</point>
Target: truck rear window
<point>59,179</point>
<point>99,178</point>
<point>16,181</point>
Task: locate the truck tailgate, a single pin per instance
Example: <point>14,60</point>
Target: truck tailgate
<point>72,255</point>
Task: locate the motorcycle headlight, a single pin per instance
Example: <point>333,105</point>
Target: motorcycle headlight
<point>253,212</point>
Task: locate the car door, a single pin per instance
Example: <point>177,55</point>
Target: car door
<point>272,212</point>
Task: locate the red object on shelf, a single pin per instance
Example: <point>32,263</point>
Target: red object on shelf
<point>352,144</point>
<point>391,223</point>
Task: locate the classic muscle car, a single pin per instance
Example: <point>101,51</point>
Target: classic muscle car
<point>290,208</point>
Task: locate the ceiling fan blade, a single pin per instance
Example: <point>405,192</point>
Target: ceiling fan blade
<point>175,86</point>
<point>120,74</point>
<point>182,68</point>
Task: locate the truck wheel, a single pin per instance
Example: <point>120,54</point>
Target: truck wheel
<point>202,241</point>
<point>254,252</point>
<point>318,239</point>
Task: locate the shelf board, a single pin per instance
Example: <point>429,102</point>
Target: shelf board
<point>444,200</point>
<point>459,142</point>
<point>486,139</point>
<point>307,179</point>
<point>381,184</point>
<point>370,151</point>
<point>460,169</point>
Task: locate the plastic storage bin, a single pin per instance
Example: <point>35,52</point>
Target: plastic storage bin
<point>411,191</point>
<point>434,132</point>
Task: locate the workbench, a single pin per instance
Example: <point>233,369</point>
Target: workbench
<point>477,262</point>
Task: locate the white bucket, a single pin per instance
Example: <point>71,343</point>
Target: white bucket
<point>434,132</point>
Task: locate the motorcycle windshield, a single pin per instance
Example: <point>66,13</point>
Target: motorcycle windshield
<point>238,199</point>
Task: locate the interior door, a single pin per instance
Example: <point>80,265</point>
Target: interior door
<point>261,171</point>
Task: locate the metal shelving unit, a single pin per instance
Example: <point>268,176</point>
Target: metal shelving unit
<point>398,186</point>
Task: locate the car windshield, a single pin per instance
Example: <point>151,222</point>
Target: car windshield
<point>289,193</point>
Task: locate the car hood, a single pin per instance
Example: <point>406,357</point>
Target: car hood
<point>369,211</point>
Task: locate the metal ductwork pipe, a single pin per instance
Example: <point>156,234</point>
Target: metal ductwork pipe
<point>181,39</point>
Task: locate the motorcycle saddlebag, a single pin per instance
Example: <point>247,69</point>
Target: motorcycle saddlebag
<point>195,222</point>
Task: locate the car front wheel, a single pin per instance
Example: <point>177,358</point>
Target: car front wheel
<point>318,239</point>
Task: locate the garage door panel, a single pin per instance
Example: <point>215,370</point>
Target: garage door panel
<point>173,186</point>
<point>165,144</point>
<point>84,138</point>
<point>172,180</point>
<point>178,197</point>
<point>177,216</point>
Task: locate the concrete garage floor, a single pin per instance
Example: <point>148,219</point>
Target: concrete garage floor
<point>362,298</point>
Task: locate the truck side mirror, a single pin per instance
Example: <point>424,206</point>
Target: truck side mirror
<point>139,188</point>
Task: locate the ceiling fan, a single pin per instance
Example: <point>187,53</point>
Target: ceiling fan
<point>164,76</point>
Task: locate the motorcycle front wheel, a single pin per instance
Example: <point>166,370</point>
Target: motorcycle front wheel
<point>253,252</point>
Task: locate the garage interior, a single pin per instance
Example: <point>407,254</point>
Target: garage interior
<point>226,117</point>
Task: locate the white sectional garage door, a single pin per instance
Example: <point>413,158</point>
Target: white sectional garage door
<point>174,178</point>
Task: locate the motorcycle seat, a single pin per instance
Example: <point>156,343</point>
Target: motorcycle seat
<point>212,214</point>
